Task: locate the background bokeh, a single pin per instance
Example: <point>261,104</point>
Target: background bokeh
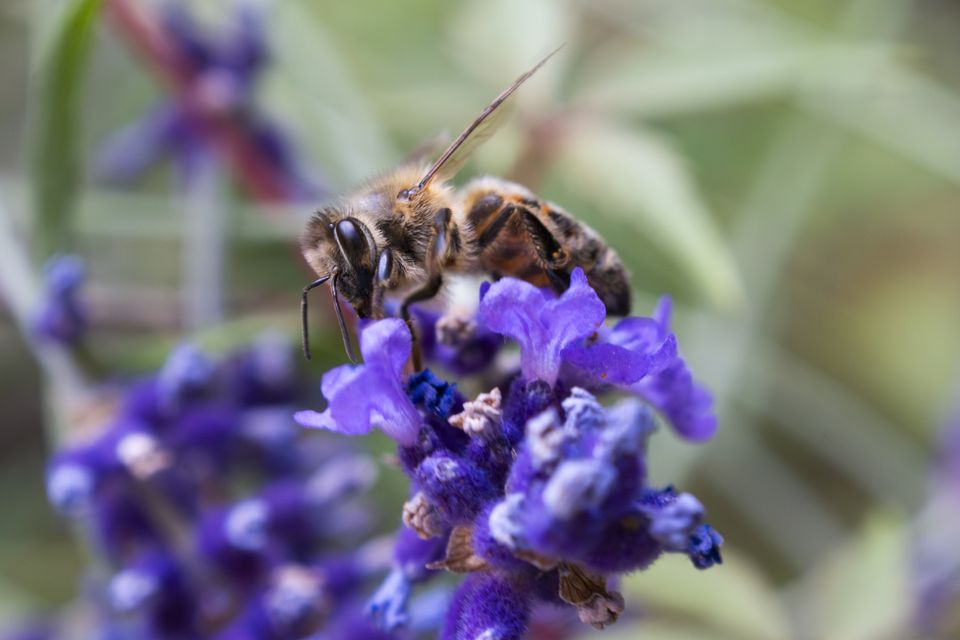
<point>789,170</point>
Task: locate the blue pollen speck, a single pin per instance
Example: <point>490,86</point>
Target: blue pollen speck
<point>431,393</point>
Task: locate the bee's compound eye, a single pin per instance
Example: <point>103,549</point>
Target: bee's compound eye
<point>351,240</point>
<point>385,266</point>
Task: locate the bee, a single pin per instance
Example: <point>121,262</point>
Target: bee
<point>401,232</point>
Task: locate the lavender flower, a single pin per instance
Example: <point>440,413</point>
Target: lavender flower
<point>61,316</point>
<point>221,73</point>
<point>163,490</point>
<point>640,355</point>
<point>372,394</point>
<point>455,342</point>
<point>533,489</point>
<point>541,325</point>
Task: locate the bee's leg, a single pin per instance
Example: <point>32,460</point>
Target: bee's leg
<point>427,291</point>
<point>445,243</point>
<point>553,258</point>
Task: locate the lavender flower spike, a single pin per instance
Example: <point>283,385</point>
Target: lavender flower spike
<point>542,325</point>
<point>372,394</point>
<point>535,489</point>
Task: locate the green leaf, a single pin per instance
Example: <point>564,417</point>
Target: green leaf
<point>732,599</point>
<point>657,83</point>
<point>860,591</point>
<point>14,605</point>
<point>808,404</point>
<point>640,177</point>
<point>657,630</point>
<point>55,161</point>
<point>497,40</point>
<point>311,89</point>
<point>910,115</point>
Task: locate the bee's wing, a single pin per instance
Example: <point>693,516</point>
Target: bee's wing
<point>486,124</point>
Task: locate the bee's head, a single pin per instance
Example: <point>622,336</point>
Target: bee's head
<point>344,248</point>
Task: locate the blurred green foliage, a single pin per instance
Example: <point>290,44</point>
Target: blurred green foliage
<point>55,168</point>
<point>788,169</point>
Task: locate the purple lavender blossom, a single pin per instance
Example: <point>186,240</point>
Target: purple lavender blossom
<point>163,490</point>
<point>61,316</point>
<point>489,605</point>
<point>455,342</point>
<point>669,386</point>
<point>629,351</point>
<point>566,335</point>
<point>542,325</point>
<point>372,394</point>
<point>534,489</point>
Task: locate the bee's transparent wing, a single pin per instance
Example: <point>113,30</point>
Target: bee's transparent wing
<point>486,124</point>
<point>480,130</point>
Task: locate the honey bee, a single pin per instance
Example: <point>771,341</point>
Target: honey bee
<point>401,232</point>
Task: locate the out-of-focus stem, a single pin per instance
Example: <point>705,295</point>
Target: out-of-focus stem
<point>152,44</point>
<point>204,246</point>
<point>69,384</point>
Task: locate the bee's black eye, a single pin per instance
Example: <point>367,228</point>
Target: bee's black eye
<point>352,241</point>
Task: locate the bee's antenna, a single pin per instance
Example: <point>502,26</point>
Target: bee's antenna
<point>347,345</point>
<point>304,324</point>
<point>473,128</point>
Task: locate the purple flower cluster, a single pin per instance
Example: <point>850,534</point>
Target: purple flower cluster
<point>212,514</point>
<point>534,489</point>
<point>220,71</point>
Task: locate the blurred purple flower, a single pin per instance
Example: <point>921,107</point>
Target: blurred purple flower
<point>387,607</point>
<point>223,70</point>
<point>61,316</point>
<point>205,536</point>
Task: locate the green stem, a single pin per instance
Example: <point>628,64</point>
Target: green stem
<point>19,287</point>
